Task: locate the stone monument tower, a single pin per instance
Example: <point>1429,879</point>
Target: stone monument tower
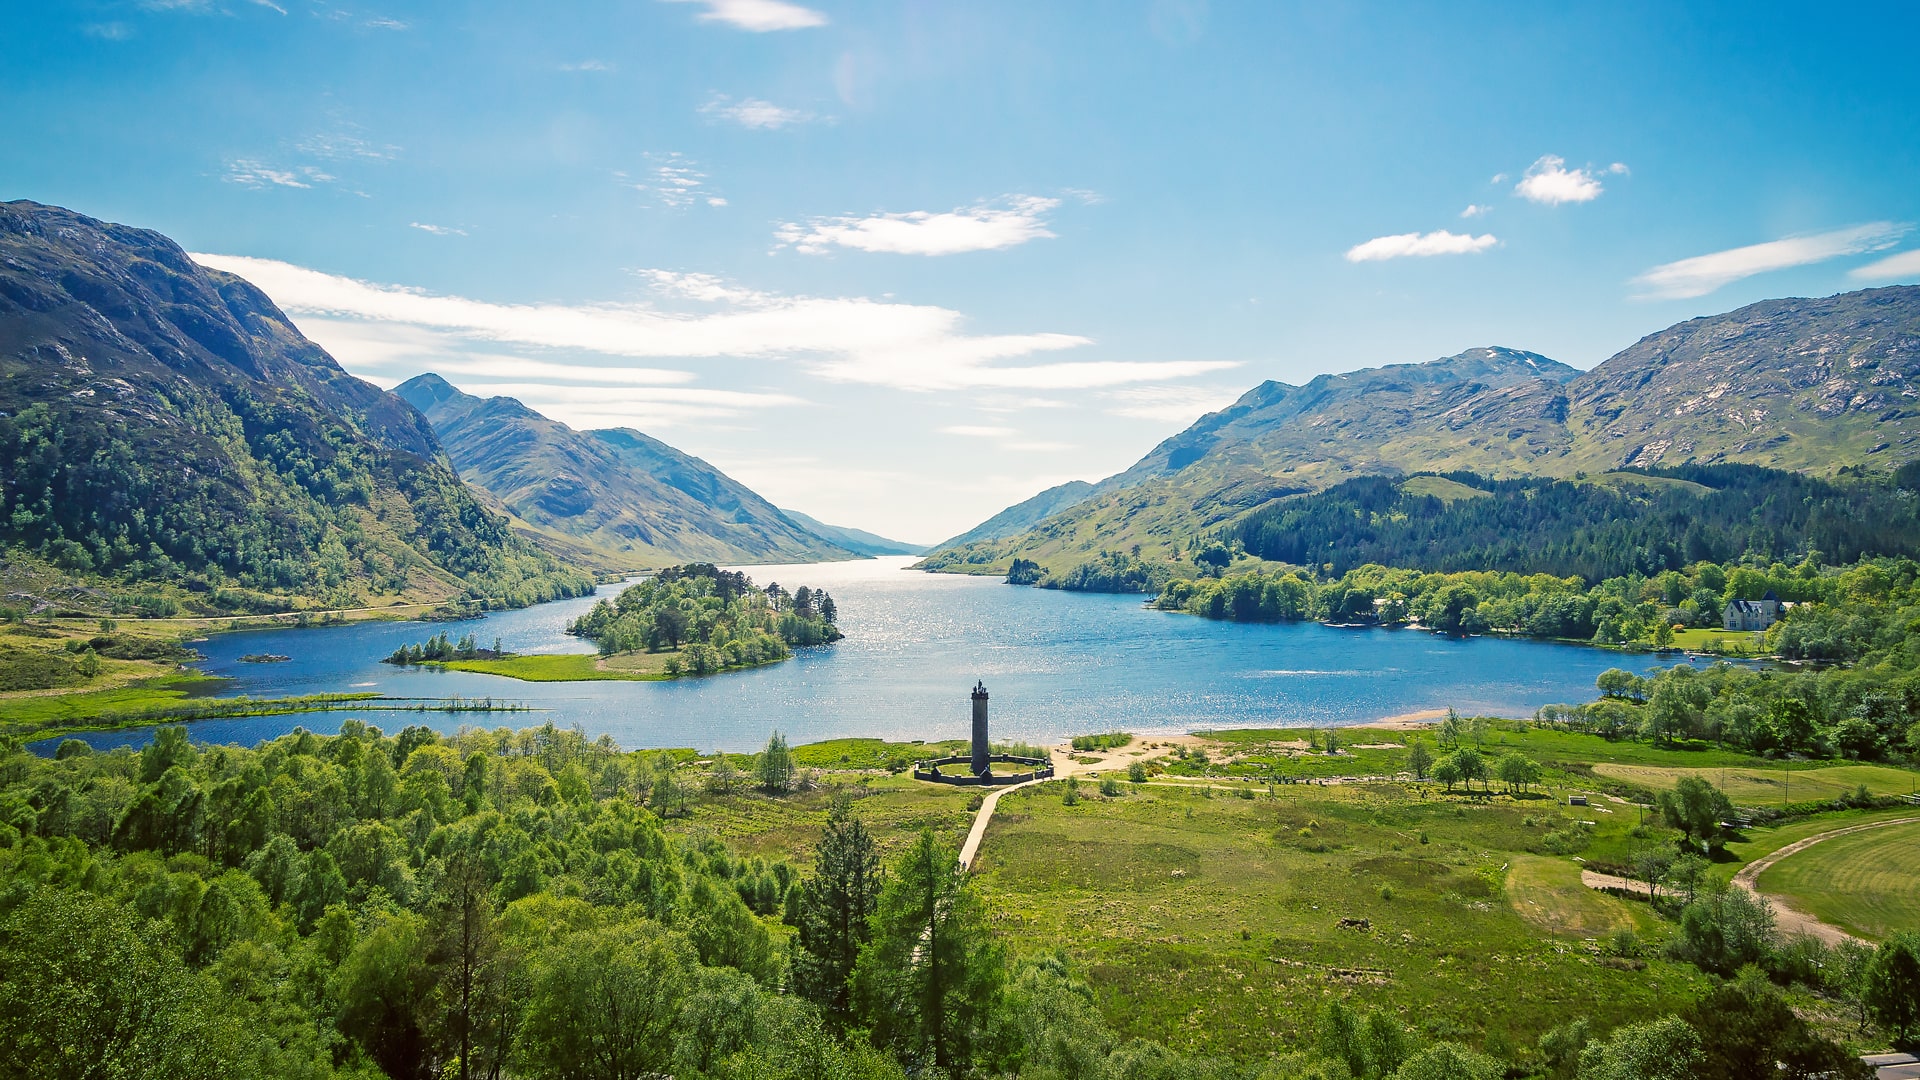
<point>982,750</point>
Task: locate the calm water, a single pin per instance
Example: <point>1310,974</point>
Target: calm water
<point>1055,663</point>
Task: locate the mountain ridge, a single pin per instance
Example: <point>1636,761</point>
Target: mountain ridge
<point>1808,384</point>
<point>624,498</point>
<point>162,422</point>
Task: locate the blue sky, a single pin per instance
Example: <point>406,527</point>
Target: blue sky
<point>899,265</point>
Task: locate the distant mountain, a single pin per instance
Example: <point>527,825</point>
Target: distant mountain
<point>1810,385</point>
<point>858,541</point>
<point>1022,516</point>
<point>163,423</point>
<point>614,496</point>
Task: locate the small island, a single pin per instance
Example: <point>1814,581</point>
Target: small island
<point>700,620</point>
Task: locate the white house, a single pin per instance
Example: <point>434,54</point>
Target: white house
<point>1752,614</point>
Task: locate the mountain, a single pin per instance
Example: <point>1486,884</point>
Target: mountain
<point>1022,516</point>
<point>164,425</point>
<point>858,541</point>
<point>614,496</point>
<point>1809,385</point>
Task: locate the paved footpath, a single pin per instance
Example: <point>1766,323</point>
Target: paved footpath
<point>1063,767</point>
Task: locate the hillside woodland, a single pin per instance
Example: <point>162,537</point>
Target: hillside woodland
<point>171,442</point>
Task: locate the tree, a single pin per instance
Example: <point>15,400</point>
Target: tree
<point>387,998</point>
<point>1696,808</point>
<point>774,769</point>
<point>1650,865</point>
<point>926,981</point>
<point>1447,771</point>
<point>1472,766</point>
<point>1891,991</point>
<point>1725,929</point>
<point>1747,1029</point>
<point>724,777</point>
<point>1666,1049</point>
<point>1516,770</point>
<point>1450,1061</point>
<point>1419,759</point>
<point>605,1004</point>
<point>467,945</point>
<point>83,995</point>
<point>1618,683</point>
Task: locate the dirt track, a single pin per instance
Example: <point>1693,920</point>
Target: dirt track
<point>1789,920</point>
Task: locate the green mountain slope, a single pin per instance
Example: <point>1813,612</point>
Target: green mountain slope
<point>858,541</point>
<point>164,425</point>
<point>1024,515</point>
<point>614,495</point>
<point>1809,385</point>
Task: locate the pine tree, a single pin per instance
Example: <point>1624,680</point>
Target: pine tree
<point>835,905</point>
<point>925,983</point>
<point>774,770</point>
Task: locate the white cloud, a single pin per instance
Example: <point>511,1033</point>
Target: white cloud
<point>1550,182</point>
<point>1619,169</point>
<point>1475,210</point>
<point>1401,245</point>
<point>977,431</point>
<point>587,65</point>
<point>437,230</point>
<point>673,181</point>
<point>986,227</point>
<point>1173,404</point>
<point>343,145</point>
<point>382,23</point>
<point>1703,274</point>
<point>248,172</point>
<point>759,16</point>
<point>848,339</point>
<point>754,113</point>
<point>109,31</point>
<point>1904,265</point>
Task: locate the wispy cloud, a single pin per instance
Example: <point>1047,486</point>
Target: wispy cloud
<point>1904,265</point>
<point>382,23</point>
<point>342,145</point>
<point>248,172</point>
<point>759,16</point>
<point>1404,245</point>
<point>977,431</point>
<point>849,339</point>
<point>673,181</point>
<point>754,113</point>
<point>985,227</point>
<point>437,230</point>
<point>1548,181</point>
<point>109,31</point>
<point>1475,210</point>
<point>587,65</point>
<point>1169,404</point>
<point>1703,274</point>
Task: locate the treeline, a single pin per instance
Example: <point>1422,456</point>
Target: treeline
<point>1834,618</point>
<point>304,513</point>
<point>439,649</point>
<point>1868,711</point>
<point>1635,522</point>
<point>501,904</point>
<point>716,619</point>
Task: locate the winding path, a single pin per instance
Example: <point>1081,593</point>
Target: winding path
<point>1788,919</point>
<point>1793,920</point>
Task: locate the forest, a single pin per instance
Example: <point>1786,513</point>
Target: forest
<point>301,508</point>
<point>715,619</point>
<point>1638,522</point>
<point>508,904</point>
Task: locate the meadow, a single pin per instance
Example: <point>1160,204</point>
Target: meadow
<point>1218,901</point>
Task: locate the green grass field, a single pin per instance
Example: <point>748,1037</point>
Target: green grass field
<point>1774,783</point>
<point>1866,882</point>
<point>1216,922</point>
<point>1727,642</point>
<point>549,667</point>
